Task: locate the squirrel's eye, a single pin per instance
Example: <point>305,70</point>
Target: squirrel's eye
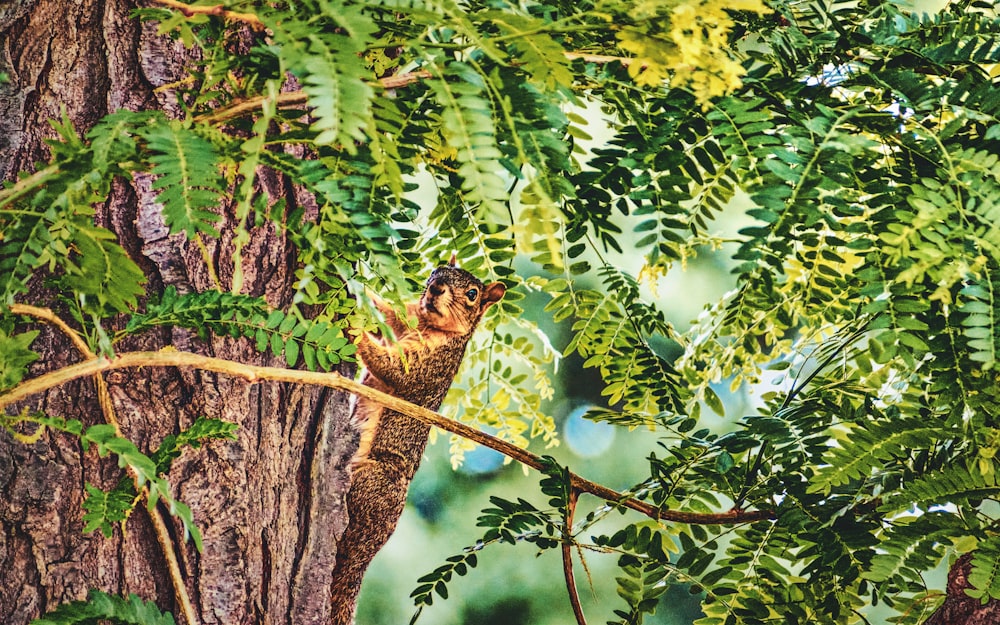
<point>472,294</point>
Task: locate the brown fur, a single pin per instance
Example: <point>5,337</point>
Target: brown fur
<point>418,367</point>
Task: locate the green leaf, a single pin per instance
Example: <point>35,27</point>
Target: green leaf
<point>186,167</point>
<point>100,606</point>
<point>100,268</point>
<point>984,576</point>
<point>102,510</point>
<point>201,431</point>
<point>15,356</point>
<point>228,314</point>
<point>468,127</point>
<point>330,64</point>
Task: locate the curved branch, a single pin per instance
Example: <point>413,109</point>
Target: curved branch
<point>47,316</point>
<point>108,409</point>
<point>255,373</point>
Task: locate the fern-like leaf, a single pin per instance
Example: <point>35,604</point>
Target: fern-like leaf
<point>468,128</point>
<point>101,268</point>
<point>319,343</point>
<point>22,246</point>
<point>186,167</point>
<point>539,54</point>
<point>978,307</point>
<point>103,510</point>
<point>912,545</point>
<point>863,449</point>
<point>113,139</point>
<point>102,607</point>
<point>201,431</point>
<point>984,578</point>
<point>326,56</point>
<point>953,484</point>
<point>15,356</point>
<point>337,92</point>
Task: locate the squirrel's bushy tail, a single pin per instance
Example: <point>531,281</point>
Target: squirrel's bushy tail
<point>375,501</point>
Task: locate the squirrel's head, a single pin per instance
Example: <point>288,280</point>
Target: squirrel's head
<point>454,300</point>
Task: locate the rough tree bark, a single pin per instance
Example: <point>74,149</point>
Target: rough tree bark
<point>959,608</point>
<point>270,505</point>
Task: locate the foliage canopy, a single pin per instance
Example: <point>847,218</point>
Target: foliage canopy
<point>864,136</point>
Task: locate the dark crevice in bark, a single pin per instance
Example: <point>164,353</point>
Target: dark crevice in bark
<point>303,480</point>
<point>265,582</point>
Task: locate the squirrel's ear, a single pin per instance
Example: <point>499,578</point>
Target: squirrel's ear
<point>493,293</point>
<point>454,260</point>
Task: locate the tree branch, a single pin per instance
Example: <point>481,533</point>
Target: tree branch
<point>255,373</point>
<point>567,559</point>
<point>217,10</point>
<point>294,99</point>
<point>108,409</point>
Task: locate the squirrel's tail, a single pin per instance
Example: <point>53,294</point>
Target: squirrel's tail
<point>375,502</point>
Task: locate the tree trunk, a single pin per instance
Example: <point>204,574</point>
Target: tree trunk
<point>959,608</point>
<point>271,504</point>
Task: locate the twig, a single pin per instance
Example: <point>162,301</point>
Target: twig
<point>107,407</point>
<point>26,184</point>
<point>254,373</point>
<point>284,100</point>
<point>567,558</point>
<point>396,81</point>
<point>599,59</point>
<point>406,78</point>
<point>218,10</point>
<point>292,99</point>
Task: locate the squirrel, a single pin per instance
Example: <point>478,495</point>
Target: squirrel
<point>419,367</point>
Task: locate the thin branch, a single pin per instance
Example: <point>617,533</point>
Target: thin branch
<point>254,373</point>
<point>567,558</point>
<point>107,407</point>
<point>26,184</point>
<point>406,78</point>
<point>217,10</point>
<point>599,59</point>
<point>295,99</point>
<point>49,317</point>
<point>291,99</point>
